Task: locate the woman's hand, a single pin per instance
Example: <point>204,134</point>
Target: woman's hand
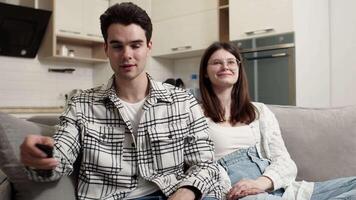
<point>247,187</point>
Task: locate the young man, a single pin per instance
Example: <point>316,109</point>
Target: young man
<point>137,138</point>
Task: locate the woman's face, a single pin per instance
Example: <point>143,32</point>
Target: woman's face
<point>223,69</point>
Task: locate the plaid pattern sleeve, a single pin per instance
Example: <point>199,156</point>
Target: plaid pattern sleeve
<point>203,173</point>
<point>171,147</point>
<point>66,147</point>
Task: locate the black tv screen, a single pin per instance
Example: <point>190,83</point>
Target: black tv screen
<point>21,30</point>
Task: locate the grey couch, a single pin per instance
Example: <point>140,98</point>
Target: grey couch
<point>321,141</point>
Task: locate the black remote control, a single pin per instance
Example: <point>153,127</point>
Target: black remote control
<point>49,151</point>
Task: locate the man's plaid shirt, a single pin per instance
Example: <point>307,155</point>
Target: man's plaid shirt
<point>172,147</point>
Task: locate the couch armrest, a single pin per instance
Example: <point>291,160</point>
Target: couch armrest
<point>5,187</point>
<point>46,120</point>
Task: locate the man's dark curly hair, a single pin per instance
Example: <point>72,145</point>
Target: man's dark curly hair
<point>126,13</point>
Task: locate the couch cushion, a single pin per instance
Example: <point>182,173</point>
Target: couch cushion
<point>12,134</point>
<point>5,187</point>
<point>322,141</point>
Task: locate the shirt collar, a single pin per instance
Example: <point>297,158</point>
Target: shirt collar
<point>157,92</point>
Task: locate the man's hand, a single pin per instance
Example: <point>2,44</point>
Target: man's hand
<point>182,194</point>
<point>32,156</point>
<point>247,187</point>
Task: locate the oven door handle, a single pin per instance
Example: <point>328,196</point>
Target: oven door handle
<point>276,55</point>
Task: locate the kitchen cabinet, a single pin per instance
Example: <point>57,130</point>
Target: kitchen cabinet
<point>92,11</point>
<point>80,17</point>
<point>68,21</point>
<point>180,30</point>
<point>74,27</point>
<point>254,18</point>
<point>163,9</point>
<point>190,33</point>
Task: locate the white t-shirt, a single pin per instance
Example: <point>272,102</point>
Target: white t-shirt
<point>134,112</point>
<point>229,139</point>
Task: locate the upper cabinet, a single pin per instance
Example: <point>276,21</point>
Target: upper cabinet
<point>92,11</point>
<point>80,17</point>
<point>180,30</point>
<point>254,18</point>
<point>67,21</point>
<point>73,33</point>
<point>181,36</point>
<point>163,9</point>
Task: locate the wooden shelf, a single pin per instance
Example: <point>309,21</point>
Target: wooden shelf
<point>79,39</point>
<point>224,7</point>
<point>86,46</point>
<point>223,3</point>
<point>224,20</point>
<point>85,50</point>
<point>80,59</point>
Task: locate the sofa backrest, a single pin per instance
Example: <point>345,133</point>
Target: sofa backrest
<point>321,141</point>
<point>12,133</point>
<point>51,120</point>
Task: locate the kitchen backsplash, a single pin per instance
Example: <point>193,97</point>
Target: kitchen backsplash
<point>184,68</point>
<point>27,82</point>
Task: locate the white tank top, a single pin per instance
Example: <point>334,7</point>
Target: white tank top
<point>134,113</point>
<point>229,139</point>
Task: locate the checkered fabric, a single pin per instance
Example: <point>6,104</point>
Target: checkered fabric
<point>171,149</point>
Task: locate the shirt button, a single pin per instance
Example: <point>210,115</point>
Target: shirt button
<point>104,136</point>
<point>190,140</point>
<point>133,144</point>
<point>134,177</point>
<point>170,136</point>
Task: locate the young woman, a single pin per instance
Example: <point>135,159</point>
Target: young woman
<point>248,142</point>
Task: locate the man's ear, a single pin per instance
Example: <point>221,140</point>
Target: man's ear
<point>149,44</point>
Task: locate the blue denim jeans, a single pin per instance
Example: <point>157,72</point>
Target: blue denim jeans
<point>246,164</point>
<point>341,188</point>
<point>158,195</point>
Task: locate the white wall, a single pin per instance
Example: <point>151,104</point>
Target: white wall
<point>101,74</point>
<point>343,48</point>
<point>27,82</point>
<point>325,44</point>
<point>312,40</point>
<point>184,68</point>
<point>160,69</point>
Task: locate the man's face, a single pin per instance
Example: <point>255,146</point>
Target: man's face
<point>127,50</point>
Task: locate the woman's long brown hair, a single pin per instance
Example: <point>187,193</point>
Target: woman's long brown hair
<point>242,109</point>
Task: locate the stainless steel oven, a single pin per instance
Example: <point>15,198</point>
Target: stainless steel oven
<point>270,68</point>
